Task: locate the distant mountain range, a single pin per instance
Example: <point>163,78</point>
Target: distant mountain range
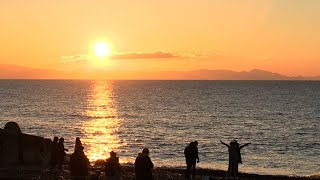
<point>8,71</point>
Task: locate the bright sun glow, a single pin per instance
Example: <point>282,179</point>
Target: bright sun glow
<point>102,49</point>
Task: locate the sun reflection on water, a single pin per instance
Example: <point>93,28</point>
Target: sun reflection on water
<point>100,131</point>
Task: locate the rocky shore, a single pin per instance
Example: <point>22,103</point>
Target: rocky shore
<point>24,156</point>
<point>159,174</point>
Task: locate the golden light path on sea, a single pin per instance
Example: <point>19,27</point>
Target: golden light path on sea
<point>100,130</point>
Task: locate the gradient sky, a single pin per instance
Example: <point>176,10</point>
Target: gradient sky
<point>282,36</point>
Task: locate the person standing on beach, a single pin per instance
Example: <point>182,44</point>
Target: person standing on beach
<point>234,157</point>
<point>192,158</point>
<point>53,160</point>
<point>79,164</point>
<point>60,152</point>
<point>143,166</point>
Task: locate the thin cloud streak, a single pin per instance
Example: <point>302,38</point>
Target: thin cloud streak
<point>144,55</point>
<point>82,58</point>
<point>158,55</point>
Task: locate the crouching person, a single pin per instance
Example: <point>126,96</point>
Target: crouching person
<point>143,166</point>
<point>113,168</point>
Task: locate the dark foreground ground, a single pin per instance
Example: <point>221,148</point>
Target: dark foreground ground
<point>159,174</point>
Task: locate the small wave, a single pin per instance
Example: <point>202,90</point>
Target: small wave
<point>301,133</point>
<point>129,116</point>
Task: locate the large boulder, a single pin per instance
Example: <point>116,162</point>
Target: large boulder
<point>12,127</point>
<point>11,145</point>
<point>17,148</point>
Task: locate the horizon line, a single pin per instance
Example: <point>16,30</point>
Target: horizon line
<point>81,79</point>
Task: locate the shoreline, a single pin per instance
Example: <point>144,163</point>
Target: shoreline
<point>159,173</point>
<point>177,172</point>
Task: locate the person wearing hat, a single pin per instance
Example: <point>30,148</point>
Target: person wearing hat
<point>79,164</point>
<point>78,143</point>
<point>143,166</point>
<point>112,167</point>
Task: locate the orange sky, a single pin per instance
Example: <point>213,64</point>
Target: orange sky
<point>275,35</point>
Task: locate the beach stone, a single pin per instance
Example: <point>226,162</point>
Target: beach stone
<point>10,145</point>
<point>17,148</point>
<point>12,127</point>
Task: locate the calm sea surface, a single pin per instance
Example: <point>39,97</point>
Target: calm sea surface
<point>280,118</point>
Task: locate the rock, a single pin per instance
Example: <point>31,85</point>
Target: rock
<point>17,148</point>
<point>12,127</point>
<point>99,163</point>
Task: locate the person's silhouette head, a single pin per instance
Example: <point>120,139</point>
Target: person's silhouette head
<point>113,154</point>
<point>196,143</point>
<point>145,151</point>
<point>55,139</point>
<point>61,140</point>
<point>233,144</point>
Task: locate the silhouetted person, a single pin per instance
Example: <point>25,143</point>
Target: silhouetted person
<point>192,157</point>
<point>234,157</point>
<point>113,167</point>
<point>143,166</point>
<point>79,164</point>
<point>60,153</point>
<point>78,143</point>
<point>53,149</point>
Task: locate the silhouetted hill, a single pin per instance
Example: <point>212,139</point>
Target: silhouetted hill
<point>255,74</point>
<point>8,71</point>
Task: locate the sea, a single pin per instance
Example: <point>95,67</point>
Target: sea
<point>281,119</point>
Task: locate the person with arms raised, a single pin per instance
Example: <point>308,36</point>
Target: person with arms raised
<point>234,157</point>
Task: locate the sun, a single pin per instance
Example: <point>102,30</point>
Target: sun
<point>101,49</point>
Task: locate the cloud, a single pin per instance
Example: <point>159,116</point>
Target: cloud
<point>144,55</point>
<point>158,55</point>
<point>80,58</point>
